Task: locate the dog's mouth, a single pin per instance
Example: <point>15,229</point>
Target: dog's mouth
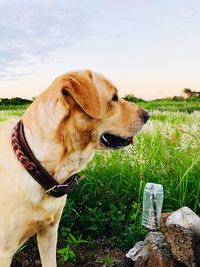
<point>115,142</point>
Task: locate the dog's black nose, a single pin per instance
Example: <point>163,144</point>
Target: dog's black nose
<point>145,116</point>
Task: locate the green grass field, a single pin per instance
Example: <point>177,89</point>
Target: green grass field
<point>107,204</point>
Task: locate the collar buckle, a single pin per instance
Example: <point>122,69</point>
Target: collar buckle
<point>52,189</point>
<point>55,188</point>
<point>59,190</point>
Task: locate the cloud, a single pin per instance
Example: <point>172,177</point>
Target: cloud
<point>14,76</point>
<point>30,32</point>
<point>132,33</point>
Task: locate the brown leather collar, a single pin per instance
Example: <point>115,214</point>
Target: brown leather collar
<point>35,169</point>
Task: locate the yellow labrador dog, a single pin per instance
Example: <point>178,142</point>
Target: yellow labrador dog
<point>78,113</point>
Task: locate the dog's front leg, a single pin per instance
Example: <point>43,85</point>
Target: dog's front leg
<point>47,239</point>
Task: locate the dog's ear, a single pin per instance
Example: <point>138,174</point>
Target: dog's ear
<point>84,92</point>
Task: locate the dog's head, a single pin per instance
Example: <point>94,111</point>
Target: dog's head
<point>79,112</point>
<point>83,108</point>
<point>95,114</point>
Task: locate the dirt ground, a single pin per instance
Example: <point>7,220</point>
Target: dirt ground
<point>86,256</point>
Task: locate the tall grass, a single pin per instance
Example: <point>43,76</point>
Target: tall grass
<point>167,151</point>
<point>164,152</point>
<point>107,203</point>
<point>11,114</point>
<point>175,106</point>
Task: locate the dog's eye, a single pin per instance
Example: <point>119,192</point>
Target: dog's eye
<point>115,98</point>
<point>65,92</point>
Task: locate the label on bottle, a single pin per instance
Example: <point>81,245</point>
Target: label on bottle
<point>152,205</point>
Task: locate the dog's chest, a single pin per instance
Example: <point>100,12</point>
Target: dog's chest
<point>41,216</point>
<point>73,163</point>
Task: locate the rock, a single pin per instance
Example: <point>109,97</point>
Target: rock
<point>178,246</point>
<point>155,241</point>
<point>137,252</point>
<point>163,221</point>
<point>181,243</point>
<point>187,218</point>
<point>157,259</point>
<point>140,253</point>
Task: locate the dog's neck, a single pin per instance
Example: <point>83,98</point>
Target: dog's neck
<point>58,154</point>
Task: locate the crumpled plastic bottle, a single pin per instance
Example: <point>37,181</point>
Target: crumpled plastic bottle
<point>152,205</point>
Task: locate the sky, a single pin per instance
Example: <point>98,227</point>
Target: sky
<point>147,48</point>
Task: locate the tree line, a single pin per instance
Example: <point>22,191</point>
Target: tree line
<point>189,95</point>
<point>15,101</point>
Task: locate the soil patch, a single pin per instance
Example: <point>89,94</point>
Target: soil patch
<point>86,255</point>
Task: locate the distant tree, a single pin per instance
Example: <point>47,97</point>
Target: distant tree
<point>189,93</point>
<point>133,98</point>
<point>14,101</point>
<point>178,98</point>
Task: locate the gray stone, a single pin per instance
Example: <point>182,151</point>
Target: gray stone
<point>154,241</point>
<point>185,217</point>
<point>138,251</point>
